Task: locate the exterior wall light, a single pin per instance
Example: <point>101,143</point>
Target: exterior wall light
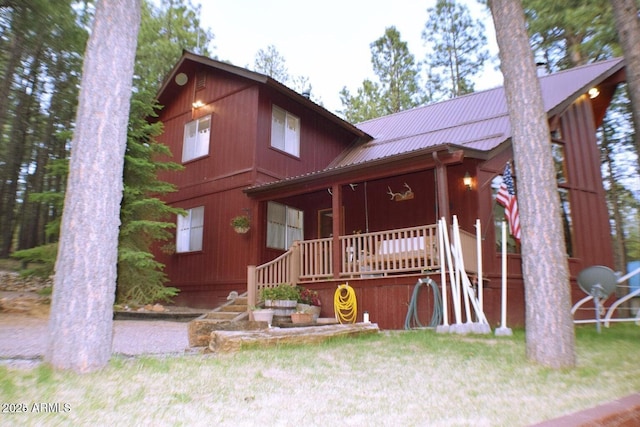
<point>467,180</point>
<point>197,104</point>
<point>593,92</point>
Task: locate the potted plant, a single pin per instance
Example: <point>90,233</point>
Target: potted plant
<point>300,317</point>
<point>263,315</point>
<point>240,223</point>
<point>309,302</point>
<point>282,298</point>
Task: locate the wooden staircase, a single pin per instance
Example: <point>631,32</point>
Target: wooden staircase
<point>231,311</point>
<point>223,317</point>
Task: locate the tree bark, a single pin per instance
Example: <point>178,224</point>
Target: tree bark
<point>81,322</point>
<point>625,13</point>
<point>550,338</point>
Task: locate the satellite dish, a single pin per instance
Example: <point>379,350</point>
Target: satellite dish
<point>181,79</point>
<point>598,281</point>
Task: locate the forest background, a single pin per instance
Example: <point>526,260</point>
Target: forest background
<point>42,43</point>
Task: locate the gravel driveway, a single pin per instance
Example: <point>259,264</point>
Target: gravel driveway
<point>24,337</point>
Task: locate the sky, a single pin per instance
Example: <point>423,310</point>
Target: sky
<point>326,41</point>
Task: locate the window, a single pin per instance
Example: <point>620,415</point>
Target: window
<point>557,151</point>
<point>189,235</point>
<point>285,131</point>
<point>567,222</point>
<point>284,226</point>
<point>196,138</point>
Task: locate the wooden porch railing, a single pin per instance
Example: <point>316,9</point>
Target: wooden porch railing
<point>413,249</point>
<point>406,250</point>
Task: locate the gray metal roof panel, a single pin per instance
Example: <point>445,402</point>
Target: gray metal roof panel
<point>478,120</point>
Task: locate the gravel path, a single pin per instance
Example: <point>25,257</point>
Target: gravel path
<point>24,337</point>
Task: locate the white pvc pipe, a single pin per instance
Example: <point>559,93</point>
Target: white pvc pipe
<point>479,250</point>
<point>443,277</point>
<point>455,291</point>
<point>460,270</point>
<point>503,318</point>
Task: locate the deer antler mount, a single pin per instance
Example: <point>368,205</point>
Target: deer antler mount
<point>400,197</point>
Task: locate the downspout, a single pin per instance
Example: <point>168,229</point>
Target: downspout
<point>442,188</point>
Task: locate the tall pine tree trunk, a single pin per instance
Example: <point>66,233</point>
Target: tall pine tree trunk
<point>625,13</point>
<point>550,338</point>
<point>81,322</point>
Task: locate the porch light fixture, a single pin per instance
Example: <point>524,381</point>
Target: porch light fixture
<point>593,92</point>
<point>467,181</point>
<point>197,104</point>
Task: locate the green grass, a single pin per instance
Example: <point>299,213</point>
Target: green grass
<point>393,378</point>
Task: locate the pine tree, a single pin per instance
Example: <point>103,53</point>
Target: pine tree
<point>398,88</point>
<point>458,48</point>
<point>550,338</point>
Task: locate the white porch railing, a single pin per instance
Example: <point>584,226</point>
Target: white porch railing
<point>413,249</point>
<point>406,250</point>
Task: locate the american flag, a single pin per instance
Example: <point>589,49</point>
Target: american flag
<point>507,198</point>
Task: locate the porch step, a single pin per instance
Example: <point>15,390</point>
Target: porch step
<point>223,317</point>
<point>233,308</point>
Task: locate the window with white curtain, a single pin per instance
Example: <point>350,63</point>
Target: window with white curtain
<point>189,230</point>
<point>285,131</point>
<point>196,138</point>
<point>284,225</point>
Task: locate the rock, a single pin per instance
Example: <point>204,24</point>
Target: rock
<point>230,341</point>
<point>11,281</point>
<point>200,329</point>
<point>158,308</point>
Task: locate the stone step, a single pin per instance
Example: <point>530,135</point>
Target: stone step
<point>238,308</point>
<point>222,315</point>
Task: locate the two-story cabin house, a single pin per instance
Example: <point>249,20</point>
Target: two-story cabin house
<point>332,202</point>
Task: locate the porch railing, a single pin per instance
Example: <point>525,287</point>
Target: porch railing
<point>402,250</point>
<point>406,250</point>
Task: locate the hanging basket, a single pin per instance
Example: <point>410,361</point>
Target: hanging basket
<point>241,230</point>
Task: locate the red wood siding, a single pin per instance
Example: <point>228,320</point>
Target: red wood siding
<point>591,231</point>
<point>320,141</point>
<point>239,156</point>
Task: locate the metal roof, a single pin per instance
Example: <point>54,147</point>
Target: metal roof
<point>478,121</point>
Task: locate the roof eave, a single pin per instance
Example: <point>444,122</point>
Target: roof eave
<point>265,80</point>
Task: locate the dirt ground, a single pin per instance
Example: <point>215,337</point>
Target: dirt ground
<point>24,315</point>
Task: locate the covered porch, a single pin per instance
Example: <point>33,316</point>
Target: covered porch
<point>375,255</point>
<point>371,224</point>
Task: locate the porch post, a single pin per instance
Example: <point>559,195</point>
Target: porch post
<point>336,203</point>
<point>442,189</point>
<point>252,291</point>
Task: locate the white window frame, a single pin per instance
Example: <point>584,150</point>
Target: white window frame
<point>285,131</point>
<point>196,138</point>
<point>189,230</point>
<point>284,225</point>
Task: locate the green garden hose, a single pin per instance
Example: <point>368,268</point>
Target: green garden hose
<point>412,321</point>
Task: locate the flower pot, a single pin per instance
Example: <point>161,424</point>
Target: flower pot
<point>263,315</point>
<point>282,308</point>
<point>241,230</point>
<point>301,318</point>
<point>307,308</point>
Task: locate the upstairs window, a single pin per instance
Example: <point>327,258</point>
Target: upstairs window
<point>196,138</point>
<point>285,131</point>
<point>284,226</point>
<point>189,230</point>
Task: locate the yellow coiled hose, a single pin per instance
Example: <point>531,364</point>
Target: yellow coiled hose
<point>345,304</point>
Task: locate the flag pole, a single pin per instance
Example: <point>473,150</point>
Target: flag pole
<point>503,330</point>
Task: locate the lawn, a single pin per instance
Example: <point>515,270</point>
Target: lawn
<point>394,378</point>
